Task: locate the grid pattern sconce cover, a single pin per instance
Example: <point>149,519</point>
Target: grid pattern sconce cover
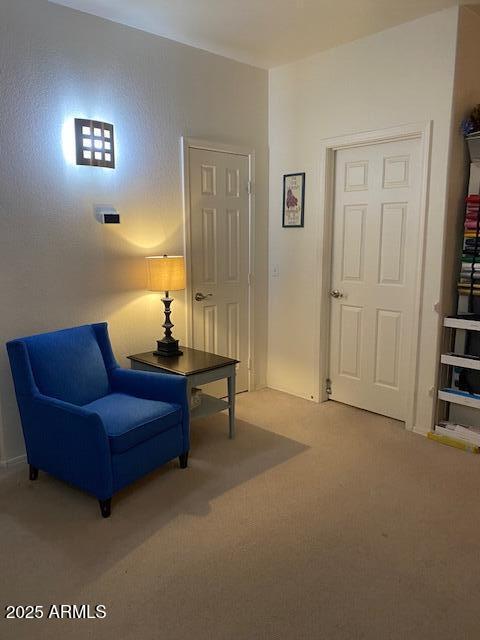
<point>94,143</point>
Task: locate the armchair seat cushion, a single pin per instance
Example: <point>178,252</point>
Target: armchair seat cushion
<point>129,420</point>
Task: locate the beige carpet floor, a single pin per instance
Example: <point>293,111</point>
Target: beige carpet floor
<point>318,521</point>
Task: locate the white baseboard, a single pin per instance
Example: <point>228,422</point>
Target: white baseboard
<point>420,431</point>
<point>292,393</point>
<point>12,462</point>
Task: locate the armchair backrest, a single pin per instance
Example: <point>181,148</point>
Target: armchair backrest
<point>71,364</point>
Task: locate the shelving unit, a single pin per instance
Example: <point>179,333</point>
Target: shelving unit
<point>457,419</point>
<point>457,397</point>
<point>449,394</point>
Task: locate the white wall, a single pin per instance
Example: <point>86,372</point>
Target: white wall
<point>399,76</point>
<point>58,266</point>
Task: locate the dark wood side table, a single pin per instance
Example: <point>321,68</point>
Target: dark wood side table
<point>199,367</point>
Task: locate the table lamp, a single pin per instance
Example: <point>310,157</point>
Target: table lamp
<point>166,273</point>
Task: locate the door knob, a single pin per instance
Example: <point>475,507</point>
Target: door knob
<point>335,293</point>
<point>201,296</point>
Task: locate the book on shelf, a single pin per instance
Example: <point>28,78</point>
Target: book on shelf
<point>465,291</point>
<point>466,278</point>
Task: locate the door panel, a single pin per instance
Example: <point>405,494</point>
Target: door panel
<point>233,246</point>
<point>387,342</point>
<point>208,246</point>
<point>209,321</point>
<point>374,257</point>
<point>219,210</point>
<point>392,243</point>
<point>353,242</point>
<point>350,341</point>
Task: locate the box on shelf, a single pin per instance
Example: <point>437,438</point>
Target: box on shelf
<point>195,398</point>
<point>452,442</point>
<point>461,432</point>
<point>473,141</point>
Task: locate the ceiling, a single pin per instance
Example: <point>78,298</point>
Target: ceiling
<point>265,33</point>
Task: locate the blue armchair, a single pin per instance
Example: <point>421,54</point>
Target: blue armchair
<point>88,421</point>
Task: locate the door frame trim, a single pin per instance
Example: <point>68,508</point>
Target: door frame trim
<point>187,143</point>
<point>423,132</point>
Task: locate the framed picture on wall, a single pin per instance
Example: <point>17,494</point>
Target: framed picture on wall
<point>293,199</point>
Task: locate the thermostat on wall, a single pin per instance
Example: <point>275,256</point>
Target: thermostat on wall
<point>107,214</point>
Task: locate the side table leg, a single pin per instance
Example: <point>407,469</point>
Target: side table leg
<point>231,402</point>
<point>189,397</point>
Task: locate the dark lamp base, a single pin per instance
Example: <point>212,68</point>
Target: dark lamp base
<point>167,348</point>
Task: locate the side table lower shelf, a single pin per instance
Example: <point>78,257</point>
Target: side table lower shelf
<point>208,406</point>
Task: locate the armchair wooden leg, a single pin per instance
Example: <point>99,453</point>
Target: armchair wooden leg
<point>105,507</point>
<point>33,473</point>
<point>183,460</point>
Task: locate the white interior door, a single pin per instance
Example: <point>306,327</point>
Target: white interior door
<point>374,264</point>
<point>219,218</point>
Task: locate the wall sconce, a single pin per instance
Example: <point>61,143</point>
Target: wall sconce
<point>94,143</point>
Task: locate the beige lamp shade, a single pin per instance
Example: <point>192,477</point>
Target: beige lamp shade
<point>165,273</point>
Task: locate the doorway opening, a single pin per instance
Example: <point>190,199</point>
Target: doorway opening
<point>372,263</point>
<point>219,209</point>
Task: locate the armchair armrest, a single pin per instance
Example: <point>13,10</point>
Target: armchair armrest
<point>151,386</point>
<point>71,443</point>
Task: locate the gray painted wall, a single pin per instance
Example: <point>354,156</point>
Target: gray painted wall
<point>58,266</point>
